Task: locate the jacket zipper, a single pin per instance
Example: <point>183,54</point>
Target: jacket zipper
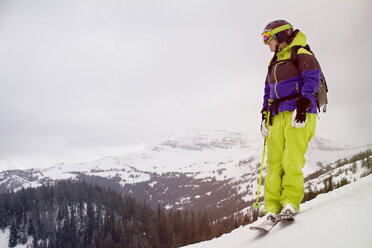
<point>276,80</point>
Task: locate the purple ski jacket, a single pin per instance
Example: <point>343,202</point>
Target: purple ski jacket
<point>284,78</point>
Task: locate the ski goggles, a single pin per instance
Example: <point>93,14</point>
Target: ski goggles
<point>269,35</point>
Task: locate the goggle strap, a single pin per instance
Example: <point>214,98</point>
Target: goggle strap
<point>280,29</point>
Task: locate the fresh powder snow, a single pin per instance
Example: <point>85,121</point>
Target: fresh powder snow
<point>341,218</point>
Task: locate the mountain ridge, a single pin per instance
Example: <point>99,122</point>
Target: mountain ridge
<point>197,169</point>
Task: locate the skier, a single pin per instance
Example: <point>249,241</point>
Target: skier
<point>289,97</point>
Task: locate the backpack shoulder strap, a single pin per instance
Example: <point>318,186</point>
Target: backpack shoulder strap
<point>300,49</point>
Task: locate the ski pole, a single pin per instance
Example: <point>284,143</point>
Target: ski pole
<point>256,205</point>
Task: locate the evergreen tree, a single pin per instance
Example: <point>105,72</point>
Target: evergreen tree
<point>193,229</point>
<point>178,227</point>
<point>90,220</point>
<point>163,228</point>
<point>186,228</point>
<point>204,231</point>
<point>154,233</point>
<point>14,234</point>
<point>109,242</point>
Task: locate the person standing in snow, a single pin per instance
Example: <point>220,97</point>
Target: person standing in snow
<point>289,97</point>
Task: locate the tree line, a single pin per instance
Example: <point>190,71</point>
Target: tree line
<point>71,214</point>
<point>364,158</point>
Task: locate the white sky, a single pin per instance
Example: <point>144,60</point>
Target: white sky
<point>82,79</point>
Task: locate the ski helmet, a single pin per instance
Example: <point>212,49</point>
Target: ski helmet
<point>280,30</point>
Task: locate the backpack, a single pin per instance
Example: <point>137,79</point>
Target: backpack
<point>321,94</point>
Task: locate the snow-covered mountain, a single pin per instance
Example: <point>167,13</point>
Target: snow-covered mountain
<point>200,170</point>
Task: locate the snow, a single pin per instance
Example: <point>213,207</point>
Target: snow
<point>340,218</point>
<point>4,236</point>
<point>224,155</point>
<point>4,240</point>
<point>152,184</point>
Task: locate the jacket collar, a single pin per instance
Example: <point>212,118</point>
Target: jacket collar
<point>285,52</point>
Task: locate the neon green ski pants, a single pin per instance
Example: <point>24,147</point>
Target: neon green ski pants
<point>284,182</point>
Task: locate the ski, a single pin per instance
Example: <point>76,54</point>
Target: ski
<point>266,225</point>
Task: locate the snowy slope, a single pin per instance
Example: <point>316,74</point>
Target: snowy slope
<point>340,218</point>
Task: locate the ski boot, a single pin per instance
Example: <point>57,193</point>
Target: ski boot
<point>288,213</point>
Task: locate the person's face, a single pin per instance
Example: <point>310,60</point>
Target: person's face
<point>272,44</point>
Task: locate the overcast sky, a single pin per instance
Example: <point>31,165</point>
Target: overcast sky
<point>82,79</point>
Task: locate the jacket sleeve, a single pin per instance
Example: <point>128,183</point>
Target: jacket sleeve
<point>266,95</point>
<point>310,73</point>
